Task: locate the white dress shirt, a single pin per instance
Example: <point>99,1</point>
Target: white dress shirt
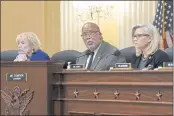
<point>89,57</point>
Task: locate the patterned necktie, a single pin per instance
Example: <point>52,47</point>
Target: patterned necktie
<point>90,61</point>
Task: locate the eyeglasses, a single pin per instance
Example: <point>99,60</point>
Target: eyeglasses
<point>140,35</point>
<point>91,33</point>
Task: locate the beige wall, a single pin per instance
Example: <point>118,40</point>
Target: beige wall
<point>43,18</point>
<point>109,31</point>
<point>35,16</point>
<point>116,27</point>
<point>52,26</point>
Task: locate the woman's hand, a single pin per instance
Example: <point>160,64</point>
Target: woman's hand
<point>21,57</point>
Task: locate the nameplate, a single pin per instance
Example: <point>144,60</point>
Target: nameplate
<point>168,64</point>
<point>123,65</point>
<point>76,66</point>
<point>16,76</point>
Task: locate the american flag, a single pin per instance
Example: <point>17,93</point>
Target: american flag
<point>164,21</point>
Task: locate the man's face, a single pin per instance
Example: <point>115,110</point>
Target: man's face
<point>91,36</point>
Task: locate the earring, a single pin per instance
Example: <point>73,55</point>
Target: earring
<point>33,50</point>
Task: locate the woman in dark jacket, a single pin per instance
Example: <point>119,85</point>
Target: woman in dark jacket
<point>146,40</point>
<point>29,48</point>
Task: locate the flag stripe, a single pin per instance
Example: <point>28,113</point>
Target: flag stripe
<point>164,20</point>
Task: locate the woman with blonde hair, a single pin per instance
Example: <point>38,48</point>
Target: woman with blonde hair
<point>146,40</point>
<point>29,48</point>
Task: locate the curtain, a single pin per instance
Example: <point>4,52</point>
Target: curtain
<point>116,28</point>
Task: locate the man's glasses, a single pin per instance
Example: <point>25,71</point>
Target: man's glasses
<point>90,34</point>
<point>140,35</point>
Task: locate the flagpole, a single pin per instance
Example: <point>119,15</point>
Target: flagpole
<point>164,42</point>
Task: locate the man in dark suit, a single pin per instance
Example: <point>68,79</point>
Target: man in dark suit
<point>100,55</point>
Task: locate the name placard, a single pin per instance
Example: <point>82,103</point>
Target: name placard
<point>123,65</point>
<point>168,64</point>
<point>76,66</point>
<point>16,76</point>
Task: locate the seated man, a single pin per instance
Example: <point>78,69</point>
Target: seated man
<point>100,55</point>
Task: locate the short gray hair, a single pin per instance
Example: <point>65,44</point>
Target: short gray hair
<point>154,45</point>
<point>32,38</point>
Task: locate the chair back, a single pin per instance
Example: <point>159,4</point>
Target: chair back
<point>127,53</point>
<point>66,55</point>
<point>9,55</point>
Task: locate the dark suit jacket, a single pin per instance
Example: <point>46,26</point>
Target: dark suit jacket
<point>39,55</point>
<point>104,58</point>
<point>154,60</point>
<point>170,52</point>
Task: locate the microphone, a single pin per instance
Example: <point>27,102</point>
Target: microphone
<point>115,53</point>
<point>149,67</point>
<point>88,52</point>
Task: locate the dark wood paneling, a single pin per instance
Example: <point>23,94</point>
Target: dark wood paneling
<point>72,92</point>
<point>135,76</point>
<point>74,113</point>
<point>99,107</point>
<point>125,93</point>
<point>39,75</point>
<point>79,87</point>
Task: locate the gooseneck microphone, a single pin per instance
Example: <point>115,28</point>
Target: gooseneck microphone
<point>149,67</point>
<point>115,53</point>
<point>88,52</point>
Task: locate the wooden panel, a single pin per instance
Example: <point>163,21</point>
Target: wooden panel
<point>116,108</point>
<point>118,76</point>
<point>125,93</point>
<point>74,113</point>
<point>32,83</point>
<point>39,75</point>
<point>115,92</point>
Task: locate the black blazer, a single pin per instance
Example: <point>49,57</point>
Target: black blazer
<point>154,60</point>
